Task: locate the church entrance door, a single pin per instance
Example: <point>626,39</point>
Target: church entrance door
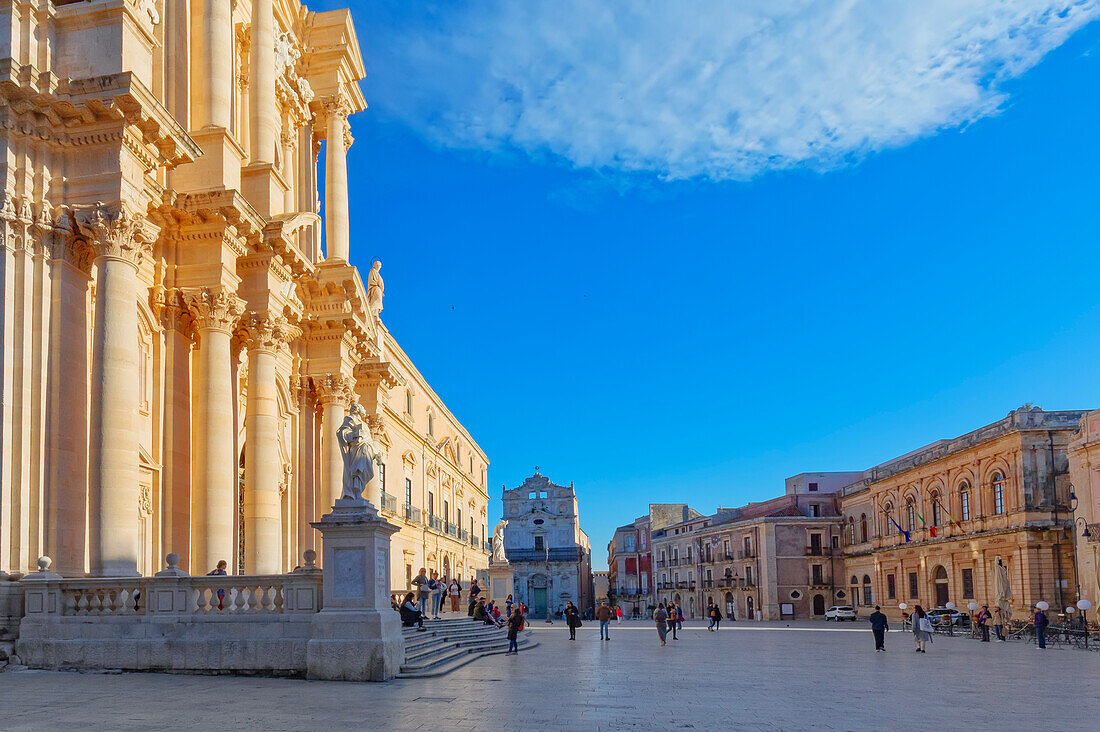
<point>538,602</point>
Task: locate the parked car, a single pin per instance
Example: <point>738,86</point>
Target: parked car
<point>841,612</point>
<point>942,617</point>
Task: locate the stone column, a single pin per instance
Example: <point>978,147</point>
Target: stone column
<point>265,335</point>
<point>214,473</point>
<point>263,121</point>
<point>212,64</point>
<point>121,239</point>
<point>334,393</point>
<point>338,140</point>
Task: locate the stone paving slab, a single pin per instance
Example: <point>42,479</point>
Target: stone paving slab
<point>747,676</point>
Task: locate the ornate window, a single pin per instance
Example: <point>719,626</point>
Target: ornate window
<point>998,493</point>
<point>887,510</point>
<point>964,501</point>
<point>910,515</point>
<point>851,530</point>
<point>935,497</point>
<point>863,527</point>
<point>408,401</point>
<point>431,424</point>
<point>868,598</point>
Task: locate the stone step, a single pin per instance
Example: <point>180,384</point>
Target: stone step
<point>448,662</point>
<point>424,650</point>
<point>424,639</point>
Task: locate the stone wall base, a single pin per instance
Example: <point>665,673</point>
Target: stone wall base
<point>355,645</point>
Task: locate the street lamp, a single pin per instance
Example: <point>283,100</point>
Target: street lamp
<point>1083,606</point>
<point>972,606</point>
<point>902,606</point>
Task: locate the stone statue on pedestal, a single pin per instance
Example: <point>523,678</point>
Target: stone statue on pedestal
<point>376,289</point>
<point>358,452</point>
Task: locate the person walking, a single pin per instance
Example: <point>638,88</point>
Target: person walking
<point>603,614</point>
<point>660,617</point>
<point>1041,623</point>
<point>710,615</point>
<point>984,617</point>
<point>672,620</point>
<point>572,619</point>
<point>456,592</point>
<point>619,614</point>
<point>879,626</point>
<point>922,628</point>
<point>679,617</point>
<point>999,623</point>
<point>515,622</point>
<point>715,617</point>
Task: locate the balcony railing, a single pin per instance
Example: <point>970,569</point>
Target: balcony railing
<point>451,529</point>
<point>463,535</point>
<point>389,503</point>
<point>818,551</point>
<point>474,541</point>
<point>434,522</point>
<point>708,584</point>
<point>660,562</point>
<point>412,513</point>
<point>674,562</point>
<point>682,585</point>
<point>750,554</point>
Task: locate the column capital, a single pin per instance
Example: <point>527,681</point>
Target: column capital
<point>213,308</point>
<point>265,332</point>
<point>334,388</point>
<point>335,104</point>
<point>116,232</point>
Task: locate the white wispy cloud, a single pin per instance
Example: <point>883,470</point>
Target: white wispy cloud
<point>720,90</point>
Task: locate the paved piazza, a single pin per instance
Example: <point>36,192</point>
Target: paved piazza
<point>755,676</point>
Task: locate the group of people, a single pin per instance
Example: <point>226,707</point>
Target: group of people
<point>414,607</point>
<point>668,618</point>
<point>922,626</point>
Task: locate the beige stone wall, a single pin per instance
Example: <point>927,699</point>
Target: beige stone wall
<point>179,343</point>
<point>1084,461</point>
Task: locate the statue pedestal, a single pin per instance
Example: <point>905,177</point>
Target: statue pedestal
<point>357,635</point>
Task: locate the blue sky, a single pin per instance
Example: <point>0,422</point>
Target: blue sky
<point>682,256</point>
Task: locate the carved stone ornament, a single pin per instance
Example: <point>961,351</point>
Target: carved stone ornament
<point>286,54</point>
<point>214,309</point>
<point>334,388</point>
<point>116,232</point>
<point>358,451</point>
<point>267,332</point>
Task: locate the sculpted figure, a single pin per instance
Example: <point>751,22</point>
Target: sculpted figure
<point>376,288</point>
<point>358,451</point>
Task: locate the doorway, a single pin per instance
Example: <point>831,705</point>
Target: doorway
<point>942,588</point>
<point>819,604</point>
<point>749,613</point>
<point>538,602</point>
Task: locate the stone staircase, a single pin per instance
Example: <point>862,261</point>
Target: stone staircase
<point>452,643</point>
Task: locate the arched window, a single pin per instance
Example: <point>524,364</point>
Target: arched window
<point>863,527</point>
<point>910,515</point>
<point>431,424</point>
<point>935,498</point>
<point>887,511</point>
<point>851,530</point>
<point>998,493</point>
<point>964,501</point>
<point>408,401</point>
<point>868,598</point>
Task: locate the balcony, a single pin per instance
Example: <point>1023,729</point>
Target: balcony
<point>674,562</point>
<point>818,551</point>
<point>450,528</point>
<point>660,562</point>
<point>474,541</point>
<point>750,554</point>
<point>708,584</point>
<point>666,585</point>
<point>412,513</point>
<point>389,504</point>
<point>682,585</point>
<point>463,535</point>
<point>434,522</point>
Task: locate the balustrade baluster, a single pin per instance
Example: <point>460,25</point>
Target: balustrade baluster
<point>238,599</point>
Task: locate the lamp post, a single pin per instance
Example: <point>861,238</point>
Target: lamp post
<point>950,619</point>
<point>972,606</point>
<point>1083,606</point>
<point>902,606</point>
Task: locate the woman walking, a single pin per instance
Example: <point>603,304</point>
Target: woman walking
<point>660,617</point>
<point>716,616</point>
<point>922,628</point>
<point>515,622</point>
<point>572,619</point>
<point>672,619</point>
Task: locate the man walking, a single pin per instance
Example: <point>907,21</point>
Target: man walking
<point>879,626</point>
<point>710,615</point>
<point>672,620</point>
<point>661,618</point>
<point>603,614</point>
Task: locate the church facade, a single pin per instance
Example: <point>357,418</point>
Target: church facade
<point>546,554</point>
<point>179,342</point>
